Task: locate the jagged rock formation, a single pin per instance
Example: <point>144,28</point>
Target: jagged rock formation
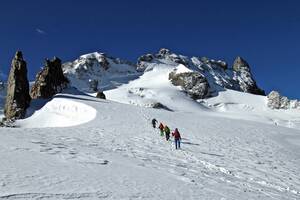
<point>243,75</point>
<point>49,81</point>
<point>17,99</point>
<point>216,72</point>
<point>214,63</point>
<point>276,101</point>
<point>193,83</point>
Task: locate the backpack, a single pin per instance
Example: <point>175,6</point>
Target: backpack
<point>167,130</point>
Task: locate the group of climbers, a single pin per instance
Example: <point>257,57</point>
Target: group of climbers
<point>165,130</point>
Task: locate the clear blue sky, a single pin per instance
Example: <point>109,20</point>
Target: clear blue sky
<point>266,33</point>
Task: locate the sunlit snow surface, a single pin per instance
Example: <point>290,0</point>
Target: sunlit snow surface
<point>80,147</point>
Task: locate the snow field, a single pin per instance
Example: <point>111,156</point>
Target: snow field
<point>118,155</point>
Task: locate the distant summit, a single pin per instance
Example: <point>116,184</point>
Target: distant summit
<point>216,73</point>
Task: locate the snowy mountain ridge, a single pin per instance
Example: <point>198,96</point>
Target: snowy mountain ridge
<point>219,76</point>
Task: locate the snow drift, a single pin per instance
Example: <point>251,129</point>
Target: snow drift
<point>60,112</point>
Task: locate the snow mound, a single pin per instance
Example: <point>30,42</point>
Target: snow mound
<point>60,112</point>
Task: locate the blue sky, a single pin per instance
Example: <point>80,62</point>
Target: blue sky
<point>266,33</point>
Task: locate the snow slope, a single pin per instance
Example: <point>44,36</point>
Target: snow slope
<point>118,155</point>
<point>246,106</point>
<point>154,86</point>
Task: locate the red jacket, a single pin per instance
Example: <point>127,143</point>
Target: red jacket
<point>176,135</point>
<point>161,126</point>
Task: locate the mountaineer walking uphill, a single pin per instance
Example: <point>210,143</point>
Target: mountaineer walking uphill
<point>177,138</point>
<point>161,128</point>
<point>167,132</point>
<point>154,122</point>
<point>164,129</point>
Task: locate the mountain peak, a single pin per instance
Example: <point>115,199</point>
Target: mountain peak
<point>240,64</point>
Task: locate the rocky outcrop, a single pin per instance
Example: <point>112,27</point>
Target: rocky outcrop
<point>167,54</point>
<point>146,58</point>
<point>99,67</point>
<point>219,63</point>
<point>100,95</point>
<point>193,83</point>
<point>276,101</point>
<point>17,99</point>
<point>163,53</point>
<point>142,60</point>
<point>242,74</point>
<point>102,61</point>
<point>158,105</point>
<point>240,64</point>
<point>49,81</point>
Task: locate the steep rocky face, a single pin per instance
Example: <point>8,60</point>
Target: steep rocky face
<point>49,81</point>
<point>242,74</point>
<point>193,83</point>
<point>276,101</point>
<point>17,99</point>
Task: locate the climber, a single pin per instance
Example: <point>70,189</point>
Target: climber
<point>161,128</point>
<point>177,138</point>
<point>167,132</point>
<point>154,121</point>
